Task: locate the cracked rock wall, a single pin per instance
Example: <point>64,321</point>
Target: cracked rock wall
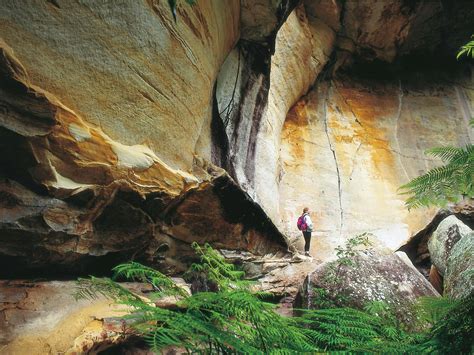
<point>348,145</point>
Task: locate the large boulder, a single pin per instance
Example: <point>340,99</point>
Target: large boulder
<point>374,274</point>
<point>449,232</point>
<point>459,277</point>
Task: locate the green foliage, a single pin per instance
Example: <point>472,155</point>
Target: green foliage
<point>235,320</point>
<point>231,320</point>
<point>321,299</point>
<point>173,3</point>
<point>447,183</point>
<point>467,49</point>
<point>453,331</point>
<point>433,309</point>
<point>345,256</point>
<point>94,287</point>
<point>162,284</point>
<point>450,182</point>
<point>213,269</point>
<point>354,331</point>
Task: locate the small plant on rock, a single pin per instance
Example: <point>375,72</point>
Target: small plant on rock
<point>346,256</point>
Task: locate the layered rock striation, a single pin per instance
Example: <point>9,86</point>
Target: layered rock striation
<point>128,135</point>
<point>107,140</point>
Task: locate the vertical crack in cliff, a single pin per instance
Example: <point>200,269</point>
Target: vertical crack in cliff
<point>331,147</point>
<point>397,127</point>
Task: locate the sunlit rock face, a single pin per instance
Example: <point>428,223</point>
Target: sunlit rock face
<point>350,144</point>
<point>129,69</point>
<point>135,137</point>
<point>43,318</point>
<point>343,146</point>
<point>254,113</point>
<point>106,121</point>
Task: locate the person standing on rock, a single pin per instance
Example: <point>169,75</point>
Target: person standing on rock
<point>306,226</point>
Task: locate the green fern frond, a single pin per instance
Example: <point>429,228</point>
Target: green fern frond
<point>467,50</point>
<point>137,272</point>
<point>433,309</point>
<point>453,332</point>
<point>446,183</point>
<point>94,287</point>
<point>446,153</point>
<point>214,268</point>
<point>234,320</point>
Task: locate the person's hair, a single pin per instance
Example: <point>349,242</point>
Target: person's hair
<point>306,209</point>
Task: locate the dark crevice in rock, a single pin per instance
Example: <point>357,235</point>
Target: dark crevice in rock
<point>220,142</point>
<point>17,159</point>
<point>283,11</point>
<point>239,207</point>
<point>254,77</point>
<point>57,266</point>
<point>417,248</point>
<point>253,73</point>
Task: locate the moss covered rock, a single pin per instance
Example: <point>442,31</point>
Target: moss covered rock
<point>459,277</point>
<point>449,232</point>
<point>374,274</point>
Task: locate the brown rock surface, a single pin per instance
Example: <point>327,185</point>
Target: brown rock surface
<point>129,69</point>
<point>43,318</point>
<point>84,194</point>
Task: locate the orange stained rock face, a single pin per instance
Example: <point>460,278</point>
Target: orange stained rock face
<point>368,111</point>
<point>295,129</point>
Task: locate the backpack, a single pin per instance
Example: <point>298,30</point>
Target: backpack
<point>301,224</point>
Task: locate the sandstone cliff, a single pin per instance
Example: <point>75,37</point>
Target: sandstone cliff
<point>128,135</point>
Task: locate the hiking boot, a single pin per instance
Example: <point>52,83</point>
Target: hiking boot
<point>306,253</point>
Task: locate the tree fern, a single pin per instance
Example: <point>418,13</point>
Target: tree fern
<point>235,320</point>
<point>450,182</point>
<point>213,269</point>
<point>447,183</point>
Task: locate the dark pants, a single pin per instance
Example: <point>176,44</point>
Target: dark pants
<point>307,240</point>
